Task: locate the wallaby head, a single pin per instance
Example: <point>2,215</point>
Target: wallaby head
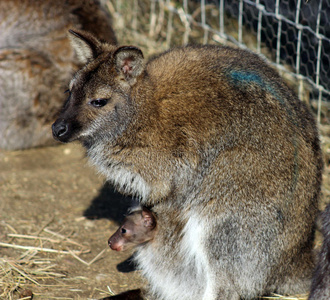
<point>99,94</point>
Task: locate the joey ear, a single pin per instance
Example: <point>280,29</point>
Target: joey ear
<point>85,45</point>
<point>149,219</point>
<point>129,61</point>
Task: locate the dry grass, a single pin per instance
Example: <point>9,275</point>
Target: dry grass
<point>279,297</point>
<point>36,267</point>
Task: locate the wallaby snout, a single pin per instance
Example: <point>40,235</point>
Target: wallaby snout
<point>60,129</point>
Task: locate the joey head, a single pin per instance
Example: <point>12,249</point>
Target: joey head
<point>138,227</point>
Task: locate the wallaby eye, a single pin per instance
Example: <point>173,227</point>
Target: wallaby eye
<point>123,230</point>
<point>68,99</point>
<point>98,102</point>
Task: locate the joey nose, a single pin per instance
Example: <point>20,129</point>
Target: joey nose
<point>114,245</point>
<point>60,129</point>
<point>111,245</point>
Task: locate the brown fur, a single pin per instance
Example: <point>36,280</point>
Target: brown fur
<point>223,150</point>
<point>37,61</point>
<point>138,227</point>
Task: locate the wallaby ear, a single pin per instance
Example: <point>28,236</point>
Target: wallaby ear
<point>149,219</point>
<point>129,61</point>
<point>85,45</point>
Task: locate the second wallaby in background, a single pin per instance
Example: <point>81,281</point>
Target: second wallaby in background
<point>37,62</point>
<point>222,150</point>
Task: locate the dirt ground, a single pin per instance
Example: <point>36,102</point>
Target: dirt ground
<point>50,199</point>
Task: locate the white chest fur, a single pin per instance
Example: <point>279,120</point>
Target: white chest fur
<point>122,177</point>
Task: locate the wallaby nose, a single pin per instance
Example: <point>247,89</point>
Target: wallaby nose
<point>59,128</point>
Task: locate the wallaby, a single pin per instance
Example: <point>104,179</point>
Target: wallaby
<point>222,150</point>
<point>321,280</point>
<point>37,62</point>
<point>139,226</point>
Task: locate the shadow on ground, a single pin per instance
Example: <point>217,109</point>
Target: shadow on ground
<point>109,204</point>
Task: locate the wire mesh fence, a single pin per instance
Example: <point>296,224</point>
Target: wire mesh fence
<point>294,35</point>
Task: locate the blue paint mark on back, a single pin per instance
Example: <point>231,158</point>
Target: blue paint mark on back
<point>243,78</point>
<point>246,77</point>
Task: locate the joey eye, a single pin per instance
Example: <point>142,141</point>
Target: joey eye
<point>123,230</point>
<point>98,102</point>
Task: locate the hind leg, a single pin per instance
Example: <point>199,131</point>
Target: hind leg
<point>297,279</point>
